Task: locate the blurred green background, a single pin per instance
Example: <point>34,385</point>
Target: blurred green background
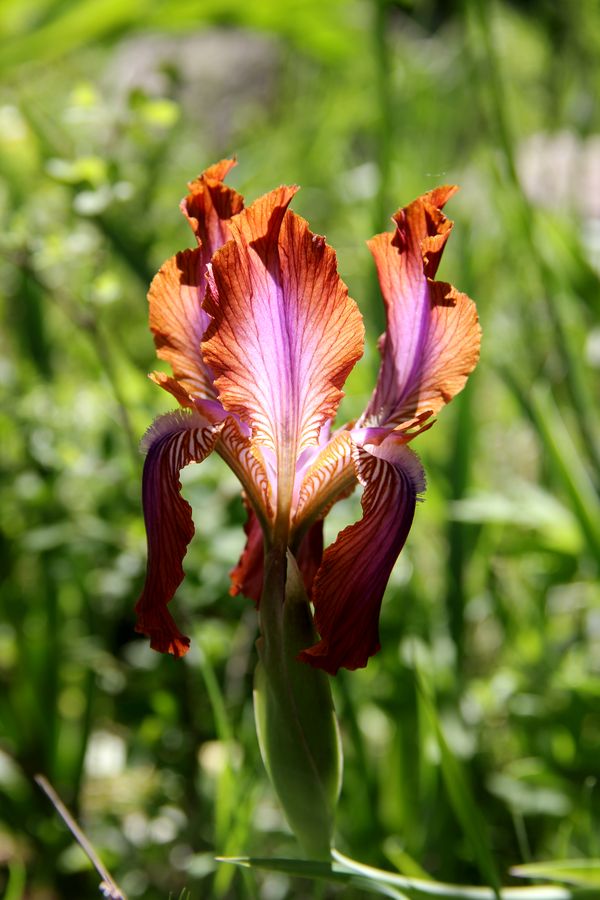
<point>491,623</point>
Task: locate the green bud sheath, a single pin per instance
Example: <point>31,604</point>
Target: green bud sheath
<point>295,719</point>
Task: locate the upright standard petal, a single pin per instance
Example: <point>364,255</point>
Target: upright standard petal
<point>349,586</point>
<point>210,204</point>
<point>178,322</point>
<point>285,333</point>
<point>172,442</point>
<point>177,319</point>
<point>432,339</point>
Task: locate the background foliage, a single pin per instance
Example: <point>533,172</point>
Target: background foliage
<point>471,741</point>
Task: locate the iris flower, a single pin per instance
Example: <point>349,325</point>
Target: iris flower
<point>261,335</point>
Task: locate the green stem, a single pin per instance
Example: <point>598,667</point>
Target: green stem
<point>418,888</point>
<point>377,881</point>
<point>271,611</point>
<point>294,714</point>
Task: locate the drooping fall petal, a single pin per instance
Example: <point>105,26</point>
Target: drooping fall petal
<point>173,441</point>
<point>432,339</point>
<point>310,555</point>
<point>349,586</point>
<point>285,333</point>
<point>247,576</point>
<point>177,319</point>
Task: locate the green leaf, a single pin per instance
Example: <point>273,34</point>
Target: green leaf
<point>317,871</point>
<point>74,26</point>
<point>525,508</point>
<point>580,872</point>
<point>17,877</point>
<point>376,881</point>
<point>568,464</point>
<point>459,792</point>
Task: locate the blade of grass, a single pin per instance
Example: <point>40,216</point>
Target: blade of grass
<point>17,879</point>
<point>530,227</point>
<point>348,872</point>
<point>460,535</point>
<point>108,885</point>
<point>457,532</point>
<point>232,812</point>
<point>75,25</point>
<point>459,791</point>
<point>579,872</point>
<point>385,119</point>
<point>402,861</point>
<point>566,461</point>
<point>367,783</point>
<point>384,133</point>
<point>319,872</point>
<point>89,692</point>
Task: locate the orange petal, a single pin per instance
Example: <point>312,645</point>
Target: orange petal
<point>177,319</point>
<point>330,477</point>
<point>210,204</point>
<point>432,339</point>
<point>349,586</point>
<point>174,387</point>
<point>285,333</point>
<point>173,441</point>
<point>248,464</point>
<point>247,576</point>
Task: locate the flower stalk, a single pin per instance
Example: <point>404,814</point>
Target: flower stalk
<point>295,718</point>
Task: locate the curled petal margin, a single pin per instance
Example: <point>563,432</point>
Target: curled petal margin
<point>349,586</point>
<point>177,319</point>
<point>210,204</point>
<point>432,339</point>
<point>173,441</point>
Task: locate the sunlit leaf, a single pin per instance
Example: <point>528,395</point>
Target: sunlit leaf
<point>580,872</point>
